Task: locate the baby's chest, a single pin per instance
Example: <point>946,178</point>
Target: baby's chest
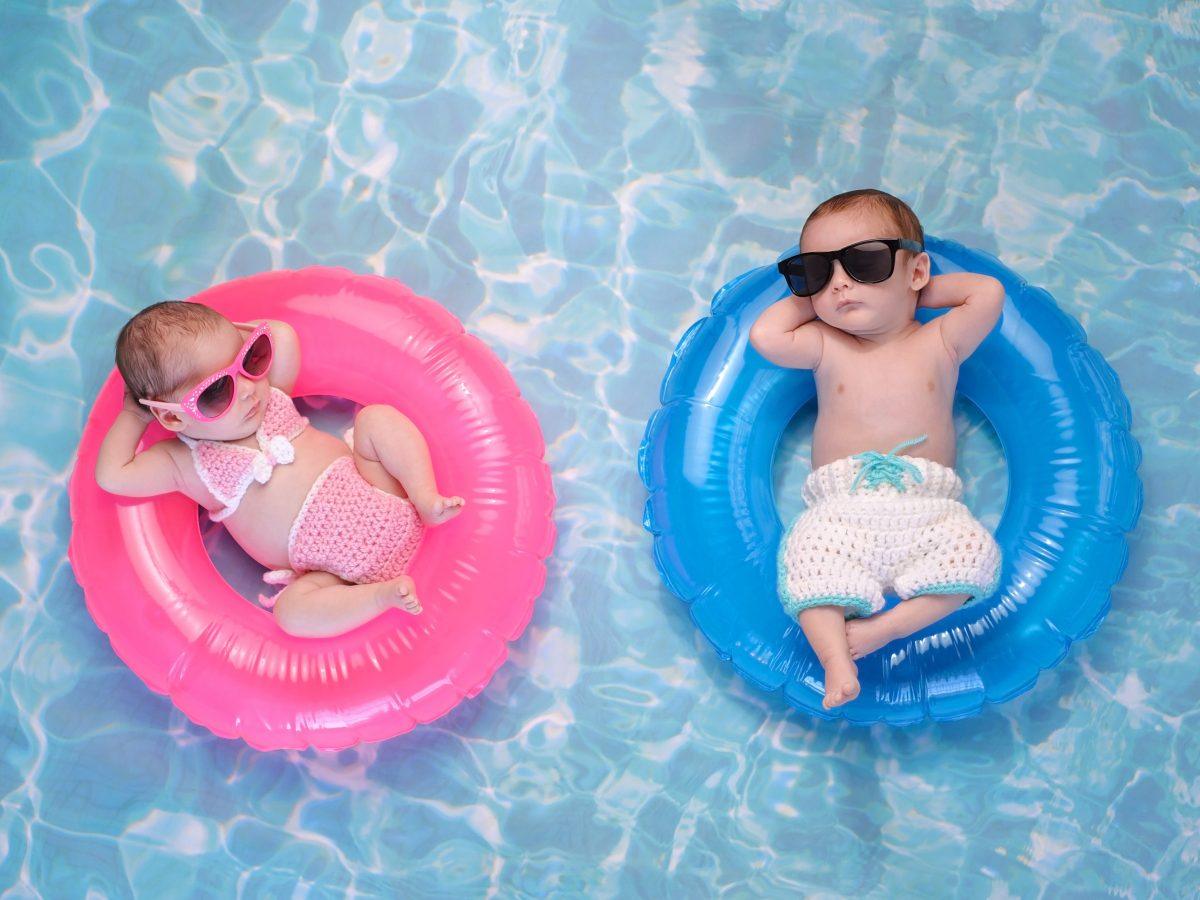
<point>285,484</point>
<point>188,479</point>
<point>881,387</point>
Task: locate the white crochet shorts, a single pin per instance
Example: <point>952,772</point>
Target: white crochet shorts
<point>902,526</point>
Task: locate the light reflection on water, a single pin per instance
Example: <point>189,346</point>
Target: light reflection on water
<point>574,182</point>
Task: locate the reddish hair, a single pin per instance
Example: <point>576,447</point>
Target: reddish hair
<point>883,204</point>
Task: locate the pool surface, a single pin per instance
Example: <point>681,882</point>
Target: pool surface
<point>574,181</point>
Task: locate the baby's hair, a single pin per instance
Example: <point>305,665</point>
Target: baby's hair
<point>872,200</point>
<point>147,354</point>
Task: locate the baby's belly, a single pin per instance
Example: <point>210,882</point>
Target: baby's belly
<point>264,518</point>
<point>836,436</point>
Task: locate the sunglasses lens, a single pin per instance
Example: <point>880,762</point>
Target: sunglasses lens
<point>216,398</point>
<point>869,263</point>
<point>796,284</point>
<point>816,272</point>
<point>258,357</point>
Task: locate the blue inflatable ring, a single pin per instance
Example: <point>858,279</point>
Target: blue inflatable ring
<point>1073,492</point>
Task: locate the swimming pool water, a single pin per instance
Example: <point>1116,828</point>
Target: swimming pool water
<point>574,181</point>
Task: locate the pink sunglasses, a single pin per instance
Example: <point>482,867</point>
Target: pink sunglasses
<point>213,397</point>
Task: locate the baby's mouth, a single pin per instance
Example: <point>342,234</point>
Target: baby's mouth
<point>844,303</point>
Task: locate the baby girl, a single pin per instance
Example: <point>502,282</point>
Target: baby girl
<point>337,521</point>
<point>883,500</point>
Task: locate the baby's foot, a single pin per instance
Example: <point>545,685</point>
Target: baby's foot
<point>401,593</point>
<point>865,636</point>
<point>441,510</point>
<point>841,682</point>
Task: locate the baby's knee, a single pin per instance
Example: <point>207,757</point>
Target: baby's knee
<point>293,607</point>
<point>377,418</point>
<point>288,615</point>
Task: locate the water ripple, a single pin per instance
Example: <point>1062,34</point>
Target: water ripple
<point>575,181</point>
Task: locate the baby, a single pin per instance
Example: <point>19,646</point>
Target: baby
<point>339,522</point>
<point>883,498</point>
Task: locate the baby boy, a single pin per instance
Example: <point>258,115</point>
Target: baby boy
<point>883,500</point>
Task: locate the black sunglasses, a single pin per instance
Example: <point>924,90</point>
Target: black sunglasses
<point>869,262</point>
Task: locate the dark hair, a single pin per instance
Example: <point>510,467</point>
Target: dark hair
<point>146,347</point>
<point>872,200</point>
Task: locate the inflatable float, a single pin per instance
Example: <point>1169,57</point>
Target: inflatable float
<point>221,659</point>
<point>1073,493</point>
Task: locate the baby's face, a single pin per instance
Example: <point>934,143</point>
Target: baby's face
<point>854,307</point>
<point>204,355</point>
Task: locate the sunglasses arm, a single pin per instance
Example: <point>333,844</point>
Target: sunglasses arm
<point>157,404</point>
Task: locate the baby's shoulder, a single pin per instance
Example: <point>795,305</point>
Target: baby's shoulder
<point>179,453</point>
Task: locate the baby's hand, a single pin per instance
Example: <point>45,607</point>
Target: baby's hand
<point>130,404</point>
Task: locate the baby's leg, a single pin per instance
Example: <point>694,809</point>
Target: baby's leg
<point>391,454</point>
<point>825,628</point>
<point>318,604</point>
<point>868,635</point>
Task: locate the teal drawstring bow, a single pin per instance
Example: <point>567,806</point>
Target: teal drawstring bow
<point>878,467</point>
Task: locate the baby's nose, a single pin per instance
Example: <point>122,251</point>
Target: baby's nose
<point>245,387</point>
<point>839,276</point>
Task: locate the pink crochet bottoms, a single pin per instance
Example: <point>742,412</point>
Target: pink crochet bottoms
<point>350,528</point>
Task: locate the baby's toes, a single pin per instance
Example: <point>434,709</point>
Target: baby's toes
<point>404,594</point>
<point>850,690</point>
<point>840,693</point>
<point>841,683</point>
<point>444,509</point>
<point>408,597</point>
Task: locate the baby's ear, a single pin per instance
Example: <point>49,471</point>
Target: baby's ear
<point>920,271</point>
<point>169,420</point>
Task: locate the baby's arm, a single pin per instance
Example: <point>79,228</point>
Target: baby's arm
<point>286,364</point>
<point>121,470</point>
<point>976,300</point>
<point>788,334</point>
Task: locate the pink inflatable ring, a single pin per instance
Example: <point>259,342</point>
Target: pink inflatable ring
<point>150,585</point>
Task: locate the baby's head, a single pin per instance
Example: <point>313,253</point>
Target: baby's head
<point>168,349</point>
<point>873,306</point>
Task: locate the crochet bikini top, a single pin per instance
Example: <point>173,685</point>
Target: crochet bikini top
<point>228,469</point>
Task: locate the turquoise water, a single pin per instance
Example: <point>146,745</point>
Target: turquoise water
<point>574,181</point>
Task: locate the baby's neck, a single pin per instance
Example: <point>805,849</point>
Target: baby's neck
<point>890,336</point>
<point>250,440</point>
